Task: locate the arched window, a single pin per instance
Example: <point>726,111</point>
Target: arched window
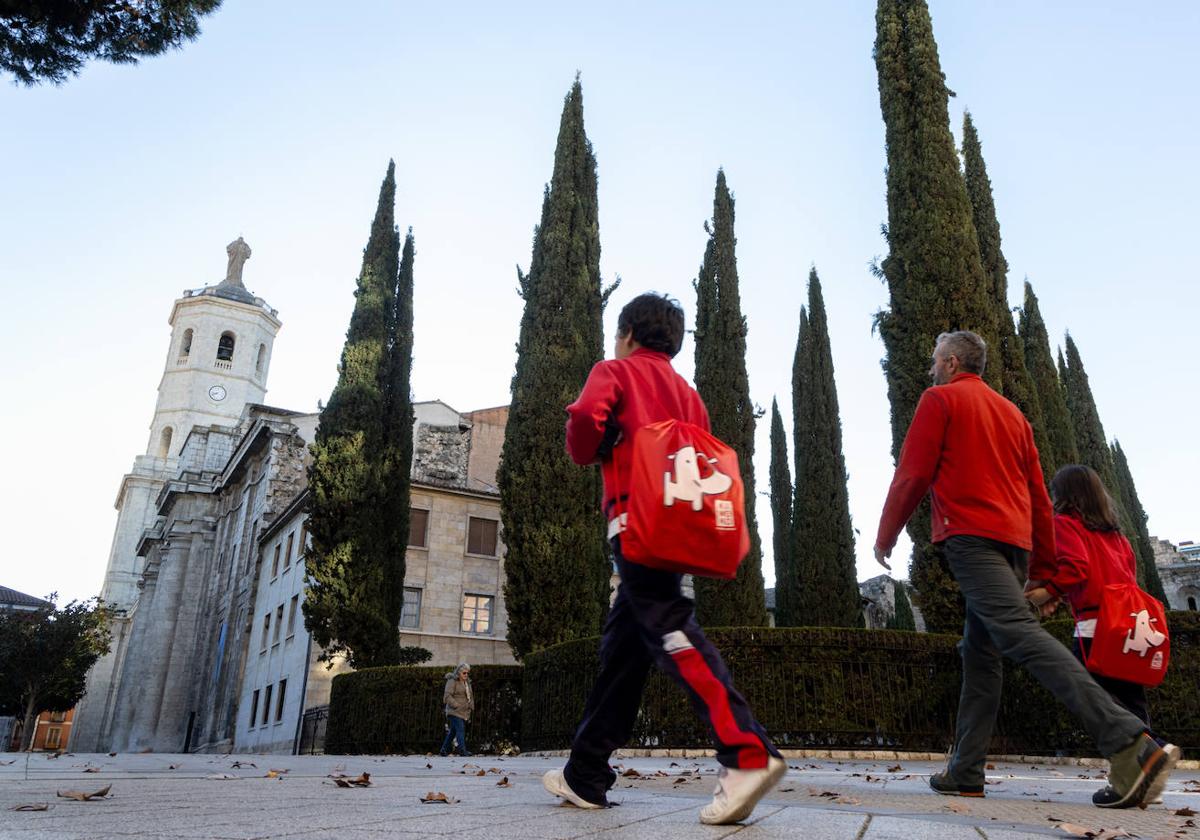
<point>164,442</point>
<point>225,347</point>
<point>1192,603</point>
<point>185,347</point>
<point>262,359</point>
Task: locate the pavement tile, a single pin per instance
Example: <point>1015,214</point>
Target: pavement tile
<point>896,828</point>
<point>802,822</point>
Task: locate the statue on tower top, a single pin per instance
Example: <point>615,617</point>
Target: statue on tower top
<point>238,252</point>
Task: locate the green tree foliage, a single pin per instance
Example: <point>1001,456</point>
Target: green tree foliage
<point>724,386</point>
<point>51,41</point>
<point>781,518</point>
<point>556,567</point>
<point>933,270</point>
<point>1009,353</point>
<point>1140,536</point>
<point>822,536</point>
<point>358,513</point>
<point>1059,449</point>
<point>902,618</point>
<point>45,656</point>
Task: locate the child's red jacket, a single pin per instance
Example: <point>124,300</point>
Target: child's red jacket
<point>1084,562</point>
<point>619,397</point>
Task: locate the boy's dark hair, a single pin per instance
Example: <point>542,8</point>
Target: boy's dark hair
<point>656,322</point>
<point>1078,490</point>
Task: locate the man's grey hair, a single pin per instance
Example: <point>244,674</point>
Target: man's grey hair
<point>969,347</point>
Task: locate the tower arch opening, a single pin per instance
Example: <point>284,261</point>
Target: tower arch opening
<point>225,347</point>
<point>185,344</point>
<point>164,441</point>
<point>262,360</point>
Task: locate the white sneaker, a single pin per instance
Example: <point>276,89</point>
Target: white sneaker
<point>555,783</point>
<point>738,791</point>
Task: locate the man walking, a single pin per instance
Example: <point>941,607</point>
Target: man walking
<point>973,451</point>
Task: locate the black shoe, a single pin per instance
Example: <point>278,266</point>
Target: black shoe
<point>1106,797</point>
<point>943,784</point>
<point>1138,773</point>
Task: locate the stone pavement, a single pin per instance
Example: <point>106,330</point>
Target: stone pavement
<point>208,798</point>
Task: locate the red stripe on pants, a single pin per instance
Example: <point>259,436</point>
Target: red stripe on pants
<point>752,754</point>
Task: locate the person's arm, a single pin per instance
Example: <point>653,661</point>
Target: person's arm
<point>1044,529</point>
<point>588,417</point>
<point>1071,561</point>
<point>919,457</point>
<point>447,693</point>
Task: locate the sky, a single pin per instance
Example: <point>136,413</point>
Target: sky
<point>123,186</point>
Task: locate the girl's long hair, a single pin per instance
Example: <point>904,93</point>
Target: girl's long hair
<point>1077,490</point>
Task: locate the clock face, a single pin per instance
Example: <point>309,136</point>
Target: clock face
<point>216,393</point>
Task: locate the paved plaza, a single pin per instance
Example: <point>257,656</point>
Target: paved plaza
<point>243,797</point>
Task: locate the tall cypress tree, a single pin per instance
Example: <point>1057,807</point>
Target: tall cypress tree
<point>822,535</point>
<point>724,385</point>
<point>356,575</point>
<point>933,269</point>
<point>781,518</point>
<point>1059,449</point>
<point>556,566</point>
<point>1140,537</point>
<point>902,618</point>
<point>1009,355</point>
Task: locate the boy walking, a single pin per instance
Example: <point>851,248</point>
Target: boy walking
<point>651,621</point>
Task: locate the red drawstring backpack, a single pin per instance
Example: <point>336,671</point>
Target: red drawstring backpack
<point>1131,641</point>
<point>687,509</point>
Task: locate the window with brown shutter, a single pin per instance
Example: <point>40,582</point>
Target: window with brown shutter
<point>481,536</point>
<point>418,527</point>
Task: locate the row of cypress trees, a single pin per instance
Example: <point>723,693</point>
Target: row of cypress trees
<point>945,270</point>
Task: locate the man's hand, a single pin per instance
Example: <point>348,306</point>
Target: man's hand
<point>1039,595</point>
<point>881,557</point>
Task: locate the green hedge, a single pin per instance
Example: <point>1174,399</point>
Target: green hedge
<point>810,688</point>
<point>399,709</point>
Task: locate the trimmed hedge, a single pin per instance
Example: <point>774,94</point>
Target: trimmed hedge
<point>398,709</point>
<point>810,687</point>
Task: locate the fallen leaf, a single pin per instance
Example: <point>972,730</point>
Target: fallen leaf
<point>279,772</point>
<point>495,770</point>
<point>1184,812</point>
<point>112,755</point>
<point>989,767</point>
<point>221,777</point>
<point>79,796</point>
<point>361,780</point>
<point>504,782</point>
<point>958,808</point>
<point>239,764</point>
<point>848,800</point>
<point>439,797</point>
<point>785,790</point>
<point>631,773</point>
<point>172,766</point>
<point>271,774</point>
<point>7,762</point>
<point>428,766</point>
<point>91,770</point>
<point>481,773</point>
<point>895,769</point>
<point>31,806</point>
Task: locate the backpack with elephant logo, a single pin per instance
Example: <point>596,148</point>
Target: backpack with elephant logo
<point>1131,642</point>
<point>686,510</point>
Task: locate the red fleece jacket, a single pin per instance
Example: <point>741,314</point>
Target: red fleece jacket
<point>1084,562</point>
<point>619,397</point>
<point>973,451</point>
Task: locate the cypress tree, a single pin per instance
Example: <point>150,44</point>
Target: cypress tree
<point>724,386</point>
<point>822,535</point>
<point>1140,536</point>
<point>556,567</point>
<point>355,573</point>
<point>902,618</point>
<point>781,516</point>
<point>933,270</point>
<point>1009,355</point>
<point>1059,449</point>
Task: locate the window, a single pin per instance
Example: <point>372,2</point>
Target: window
<point>185,346</point>
<point>267,705</point>
<point>1192,603</point>
<point>262,359</point>
<point>279,702</point>
<point>53,738</point>
<point>266,631</point>
<point>164,442</point>
<point>292,615</point>
<point>410,612</point>
<point>418,526</point>
<point>278,623</point>
<point>225,347</point>
<point>253,708</point>
<point>481,536</point>
<point>477,614</point>
<point>287,555</point>
<point>303,542</point>
<point>58,717</point>
<point>275,562</point>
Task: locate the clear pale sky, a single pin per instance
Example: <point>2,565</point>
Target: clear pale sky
<point>123,186</point>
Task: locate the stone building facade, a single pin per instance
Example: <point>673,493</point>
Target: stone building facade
<point>1179,568</point>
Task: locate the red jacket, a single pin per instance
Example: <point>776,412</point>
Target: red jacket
<point>1084,562</point>
<point>619,397</point>
<point>973,451</point>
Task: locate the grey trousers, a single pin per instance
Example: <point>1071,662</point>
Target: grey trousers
<point>999,624</point>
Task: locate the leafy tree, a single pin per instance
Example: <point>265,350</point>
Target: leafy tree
<point>45,656</point>
<point>356,560</point>
<point>50,41</point>
<point>933,270</point>
<point>556,567</point>
<point>1139,536</point>
<point>781,518</point>
<point>822,536</point>
<point>902,618</point>
<point>1059,449</point>
<point>1009,354</point>
<point>724,386</point>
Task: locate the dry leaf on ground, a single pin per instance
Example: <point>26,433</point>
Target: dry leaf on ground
<point>439,797</point>
<point>221,777</point>
<point>31,806</point>
<point>1076,830</point>
<point>91,770</point>
<point>80,796</point>
<point>504,782</point>
<point>172,766</point>
<point>481,773</point>
<point>631,773</point>
<point>895,769</point>
<point>989,767</point>
<point>1184,812</point>
<point>958,807</point>
<point>361,780</point>
<point>848,800</point>
<point>112,755</point>
<point>238,764</point>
